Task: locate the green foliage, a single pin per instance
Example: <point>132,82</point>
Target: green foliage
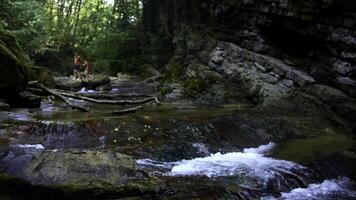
<point>196,85</point>
<point>50,31</point>
<point>24,18</point>
<point>174,71</point>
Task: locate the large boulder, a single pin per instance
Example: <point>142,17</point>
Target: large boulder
<point>80,167</point>
<point>43,75</point>
<point>66,83</point>
<point>96,81</point>
<point>14,70</point>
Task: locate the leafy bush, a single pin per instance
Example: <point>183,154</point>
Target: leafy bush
<point>174,72</point>
<point>197,85</point>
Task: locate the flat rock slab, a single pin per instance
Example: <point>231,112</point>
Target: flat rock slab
<point>66,83</point>
<point>92,82</point>
<point>80,167</point>
<point>326,93</point>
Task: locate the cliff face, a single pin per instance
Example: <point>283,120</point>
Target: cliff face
<point>317,36</point>
<point>14,70</point>
<point>268,51</point>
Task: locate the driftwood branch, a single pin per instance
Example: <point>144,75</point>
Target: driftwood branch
<point>65,95</point>
<point>58,95</point>
<point>105,96</point>
<point>103,101</point>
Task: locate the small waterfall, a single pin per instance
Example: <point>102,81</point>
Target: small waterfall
<point>341,188</point>
<point>250,164</point>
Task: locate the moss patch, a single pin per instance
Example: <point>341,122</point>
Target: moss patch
<point>15,72</point>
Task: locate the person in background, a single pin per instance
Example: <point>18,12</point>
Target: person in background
<point>76,66</point>
<point>86,66</point>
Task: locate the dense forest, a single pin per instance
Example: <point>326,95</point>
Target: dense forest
<point>178,99</point>
<point>49,32</point>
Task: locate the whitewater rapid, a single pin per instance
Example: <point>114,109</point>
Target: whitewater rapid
<point>255,163</point>
<point>341,188</point>
<point>252,162</point>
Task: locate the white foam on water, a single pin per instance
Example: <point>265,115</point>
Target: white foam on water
<point>261,149</point>
<point>251,162</point>
<point>337,188</point>
<point>155,164</point>
<point>84,90</point>
<point>30,146</point>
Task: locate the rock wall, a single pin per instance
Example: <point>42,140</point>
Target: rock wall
<point>15,70</point>
<point>316,36</point>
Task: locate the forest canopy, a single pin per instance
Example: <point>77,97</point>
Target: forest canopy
<point>104,31</point>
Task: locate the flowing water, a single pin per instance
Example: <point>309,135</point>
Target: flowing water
<point>253,163</point>
<point>223,152</point>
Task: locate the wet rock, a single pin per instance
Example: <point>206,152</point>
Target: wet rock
<point>300,77</point>
<point>306,42</point>
<point>288,83</point>
<point>80,167</point>
<point>66,83</point>
<point>326,93</point>
<point>106,87</point>
<point>44,76</point>
<point>79,135</point>
<point>96,81</point>
<point>93,82</point>
<point>342,67</point>
<point>263,79</point>
<point>218,57</point>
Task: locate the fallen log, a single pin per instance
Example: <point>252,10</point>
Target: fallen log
<point>58,95</point>
<point>105,96</point>
<point>104,101</point>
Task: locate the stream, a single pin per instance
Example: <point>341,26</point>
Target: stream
<point>174,151</point>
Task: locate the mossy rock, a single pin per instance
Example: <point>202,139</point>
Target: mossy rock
<point>15,72</point>
<point>43,75</point>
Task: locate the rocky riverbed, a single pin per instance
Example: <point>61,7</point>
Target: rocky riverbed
<point>174,151</point>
